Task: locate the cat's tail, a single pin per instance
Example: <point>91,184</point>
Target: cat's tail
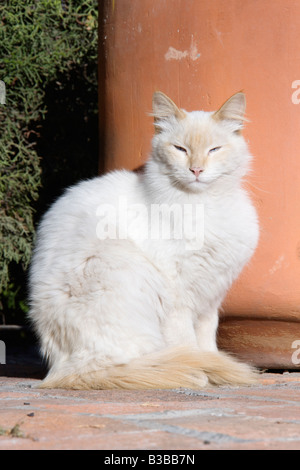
<point>172,368</point>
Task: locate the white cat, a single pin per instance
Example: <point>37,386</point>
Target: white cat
<point>120,301</point>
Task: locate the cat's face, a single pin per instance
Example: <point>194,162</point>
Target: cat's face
<point>198,148</point>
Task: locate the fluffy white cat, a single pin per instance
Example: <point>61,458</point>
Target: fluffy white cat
<point>130,269</point>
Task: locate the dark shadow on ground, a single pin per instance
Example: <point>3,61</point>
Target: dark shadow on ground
<point>22,355</point>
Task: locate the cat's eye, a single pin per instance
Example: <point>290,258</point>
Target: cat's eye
<point>181,149</point>
<point>214,149</point>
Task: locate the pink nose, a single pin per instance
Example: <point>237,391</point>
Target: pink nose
<point>196,170</point>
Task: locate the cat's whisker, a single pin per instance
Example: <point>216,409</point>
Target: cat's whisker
<point>250,183</point>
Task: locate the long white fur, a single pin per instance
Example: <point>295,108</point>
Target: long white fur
<point>138,312</point>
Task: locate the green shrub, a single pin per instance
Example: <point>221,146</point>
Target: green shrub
<point>44,45</point>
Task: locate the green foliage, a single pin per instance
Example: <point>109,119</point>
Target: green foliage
<point>42,42</point>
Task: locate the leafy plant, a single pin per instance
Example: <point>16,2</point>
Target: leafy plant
<point>43,45</point>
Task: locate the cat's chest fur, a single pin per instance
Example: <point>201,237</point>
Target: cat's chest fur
<point>211,236</point>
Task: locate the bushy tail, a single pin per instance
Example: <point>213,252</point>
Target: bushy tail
<point>172,368</point>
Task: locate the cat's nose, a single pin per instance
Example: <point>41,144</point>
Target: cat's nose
<point>196,170</point>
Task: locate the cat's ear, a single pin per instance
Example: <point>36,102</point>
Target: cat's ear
<point>164,109</point>
<point>233,110</point>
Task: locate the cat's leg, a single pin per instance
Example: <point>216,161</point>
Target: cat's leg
<point>178,328</point>
<point>206,327</point>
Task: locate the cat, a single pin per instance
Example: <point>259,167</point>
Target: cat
<point>116,300</point>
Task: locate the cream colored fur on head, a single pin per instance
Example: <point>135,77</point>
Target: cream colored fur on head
<point>137,310</point>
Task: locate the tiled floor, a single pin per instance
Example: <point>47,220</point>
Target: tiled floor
<point>264,416</point>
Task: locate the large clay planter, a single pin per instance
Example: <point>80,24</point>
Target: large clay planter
<point>200,53</point>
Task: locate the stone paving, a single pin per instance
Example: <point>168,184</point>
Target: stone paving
<point>264,416</point>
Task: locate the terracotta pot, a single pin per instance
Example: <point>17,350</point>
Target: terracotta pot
<point>200,53</point>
